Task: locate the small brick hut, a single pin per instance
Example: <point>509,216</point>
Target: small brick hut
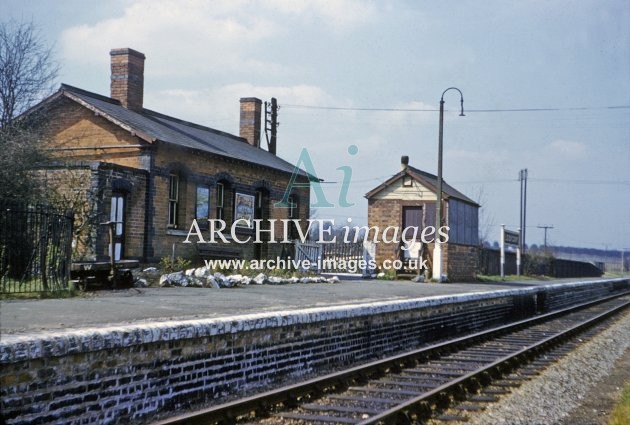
<point>408,198</point>
<point>153,174</point>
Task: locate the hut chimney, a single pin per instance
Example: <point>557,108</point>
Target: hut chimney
<point>404,162</point>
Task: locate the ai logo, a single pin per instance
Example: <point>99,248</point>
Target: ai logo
<point>305,161</point>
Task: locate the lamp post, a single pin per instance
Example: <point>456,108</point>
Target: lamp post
<point>437,251</point>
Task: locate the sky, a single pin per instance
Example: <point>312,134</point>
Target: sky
<point>375,71</point>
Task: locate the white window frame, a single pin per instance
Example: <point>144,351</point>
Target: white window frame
<point>220,195</point>
<point>173,200</point>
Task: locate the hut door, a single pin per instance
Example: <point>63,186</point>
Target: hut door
<point>412,217</point>
<point>117,215</point>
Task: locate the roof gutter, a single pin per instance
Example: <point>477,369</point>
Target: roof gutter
<point>81,148</point>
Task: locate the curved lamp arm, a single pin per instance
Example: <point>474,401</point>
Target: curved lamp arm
<point>461,99</point>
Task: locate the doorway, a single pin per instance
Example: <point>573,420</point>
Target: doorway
<point>117,216</point>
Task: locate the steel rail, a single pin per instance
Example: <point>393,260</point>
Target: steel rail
<point>394,415</point>
<point>288,395</point>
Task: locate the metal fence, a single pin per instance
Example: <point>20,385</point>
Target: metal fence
<point>35,248</point>
<point>331,257</point>
<point>337,257</point>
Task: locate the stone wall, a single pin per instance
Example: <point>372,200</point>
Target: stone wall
<point>139,372</point>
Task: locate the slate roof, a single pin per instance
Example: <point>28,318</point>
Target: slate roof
<point>153,126</point>
<point>428,179</point>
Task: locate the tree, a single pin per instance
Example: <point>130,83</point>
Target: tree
<point>27,74</point>
<point>486,219</point>
<point>19,154</point>
<point>27,69</point>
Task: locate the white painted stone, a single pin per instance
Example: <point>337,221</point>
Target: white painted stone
<point>222,280</point>
<point>196,281</point>
<point>141,283</point>
<point>260,279</point>
<point>201,271</point>
<point>163,280</point>
<point>274,280</point>
<point>183,281</point>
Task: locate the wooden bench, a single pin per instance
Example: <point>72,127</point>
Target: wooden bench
<point>218,252</point>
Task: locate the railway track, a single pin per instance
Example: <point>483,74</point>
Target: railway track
<point>461,374</point>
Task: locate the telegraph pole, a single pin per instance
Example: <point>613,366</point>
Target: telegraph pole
<point>546,228</point>
<point>522,176</point>
<point>271,124</point>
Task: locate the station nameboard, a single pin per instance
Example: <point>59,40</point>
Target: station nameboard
<point>511,238</point>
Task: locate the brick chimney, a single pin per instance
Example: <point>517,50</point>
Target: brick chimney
<point>127,81</point>
<point>251,109</point>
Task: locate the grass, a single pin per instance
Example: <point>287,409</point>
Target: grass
<point>31,289</point>
<point>509,278</point>
<point>39,295</point>
<point>621,412</point>
<point>612,275</point>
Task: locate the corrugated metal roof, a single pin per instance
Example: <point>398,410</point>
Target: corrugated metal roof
<point>178,132</point>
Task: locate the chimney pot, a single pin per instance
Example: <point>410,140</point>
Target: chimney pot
<point>127,80</point>
<point>404,162</point>
<point>250,123</point>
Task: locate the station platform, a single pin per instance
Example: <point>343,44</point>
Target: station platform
<point>139,355</point>
<point>108,308</point>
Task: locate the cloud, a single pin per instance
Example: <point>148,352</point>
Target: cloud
<point>568,150</point>
<point>179,37</point>
<point>197,36</point>
<point>337,14</point>
<point>218,107</point>
<point>474,165</point>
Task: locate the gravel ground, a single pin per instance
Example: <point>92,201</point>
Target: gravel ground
<point>564,386</point>
<point>597,408</point>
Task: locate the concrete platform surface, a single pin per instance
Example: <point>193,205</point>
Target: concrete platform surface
<point>150,305</point>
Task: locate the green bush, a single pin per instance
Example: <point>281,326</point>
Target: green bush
<point>538,264</point>
<point>169,266</point>
<point>388,275</point>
